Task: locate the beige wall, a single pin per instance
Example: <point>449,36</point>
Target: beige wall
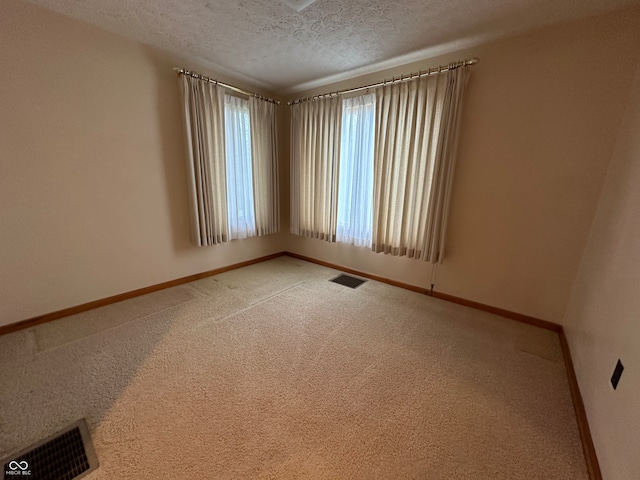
<point>539,126</point>
<point>92,184</point>
<point>603,318</point>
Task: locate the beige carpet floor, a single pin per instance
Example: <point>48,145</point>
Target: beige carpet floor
<point>273,372</point>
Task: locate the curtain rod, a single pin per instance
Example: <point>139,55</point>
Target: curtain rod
<point>225,85</point>
<point>401,78</point>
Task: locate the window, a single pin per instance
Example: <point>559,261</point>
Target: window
<point>377,171</point>
<point>239,175</point>
<point>231,160</point>
<point>355,177</point>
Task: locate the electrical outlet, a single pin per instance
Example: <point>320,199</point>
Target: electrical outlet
<point>615,378</point>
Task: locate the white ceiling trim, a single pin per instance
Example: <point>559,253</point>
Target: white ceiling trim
<point>417,56</point>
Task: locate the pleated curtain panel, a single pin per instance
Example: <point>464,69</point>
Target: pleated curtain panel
<point>414,150</point>
<point>229,198</point>
<point>203,108</point>
<point>315,147</point>
<point>264,145</point>
<point>417,128</point>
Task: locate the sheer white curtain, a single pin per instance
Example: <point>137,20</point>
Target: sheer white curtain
<point>315,147</point>
<point>416,137</point>
<point>239,175</point>
<point>355,177</point>
<point>264,146</point>
<point>203,115</point>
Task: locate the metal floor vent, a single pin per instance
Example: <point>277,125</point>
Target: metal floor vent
<point>348,281</point>
<point>66,455</point>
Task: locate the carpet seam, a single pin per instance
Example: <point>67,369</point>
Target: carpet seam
<point>39,351</point>
<point>259,302</point>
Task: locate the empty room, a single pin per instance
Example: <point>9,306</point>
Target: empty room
<point>287,239</point>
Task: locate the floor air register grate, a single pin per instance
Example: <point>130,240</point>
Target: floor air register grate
<point>66,455</point>
<point>348,281</point>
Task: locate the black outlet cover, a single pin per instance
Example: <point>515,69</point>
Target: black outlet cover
<point>615,378</point>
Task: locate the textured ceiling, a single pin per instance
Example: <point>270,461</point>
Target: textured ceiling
<point>269,44</point>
